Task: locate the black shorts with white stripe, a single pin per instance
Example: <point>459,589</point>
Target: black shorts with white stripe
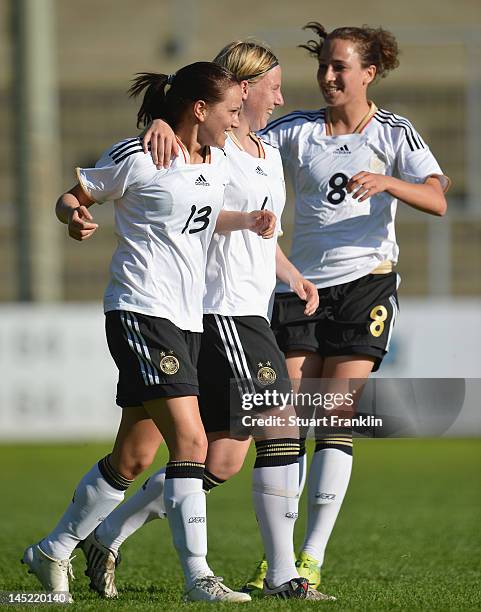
<point>238,356</point>
<point>354,318</point>
<point>154,357</point>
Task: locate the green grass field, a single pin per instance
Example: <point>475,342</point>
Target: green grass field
<point>408,536</point>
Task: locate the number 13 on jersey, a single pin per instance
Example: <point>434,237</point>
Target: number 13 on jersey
<point>203,217</point>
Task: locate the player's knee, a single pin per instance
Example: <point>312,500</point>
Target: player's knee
<point>134,464</point>
<point>225,467</point>
<point>191,447</point>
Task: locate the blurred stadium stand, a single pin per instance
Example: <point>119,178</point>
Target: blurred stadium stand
<point>100,47</point>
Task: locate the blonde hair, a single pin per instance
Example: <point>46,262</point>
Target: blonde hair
<point>247,60</point>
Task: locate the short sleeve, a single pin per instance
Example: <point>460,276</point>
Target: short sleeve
<point>414,161</point>
<point>117,169</point>
<point>276,134</point>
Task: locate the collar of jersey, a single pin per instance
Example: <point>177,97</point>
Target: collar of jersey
<point>254,138</point>
<point>186,154</point>
<point>360,126</point>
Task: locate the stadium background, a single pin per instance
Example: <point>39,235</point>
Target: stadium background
<point>65,69</point>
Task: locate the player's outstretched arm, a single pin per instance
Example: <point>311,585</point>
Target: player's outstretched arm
<point>289,274</point>
<point>72,209</point>
<point>163,143</point>
<point>261,222</point>
<point>427,197</point>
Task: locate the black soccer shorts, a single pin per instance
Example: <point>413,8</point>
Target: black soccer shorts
<point>154,357</point>
<point>355,318</point>
<point>238,355</point>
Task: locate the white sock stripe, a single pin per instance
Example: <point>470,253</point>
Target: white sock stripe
<point>145,348</point>
<point>392,299</point>
<point>132,345</point>
<point>240,349</point>
<point>238,377</point>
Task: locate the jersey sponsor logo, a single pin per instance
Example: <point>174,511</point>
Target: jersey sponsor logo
<point>260,171</point>
<point>330,496</point>
<point>201,181</point>
<point>266,375</point>
<point>197,519</point>
<point>169,364</point>
<point>344,150</point>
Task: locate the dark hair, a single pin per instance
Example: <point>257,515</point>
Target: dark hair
<point>375,46</point>
<point>199,81</point>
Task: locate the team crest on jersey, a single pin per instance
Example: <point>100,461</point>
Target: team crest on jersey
<point>169,364</point>
<point>266,375</point>
<point>377,165</point>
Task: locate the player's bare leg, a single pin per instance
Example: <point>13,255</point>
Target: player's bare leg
<point>225,457</point>
<point>134,450</point>
<point>178,418</point>
<point>331,465</point>
<point>298,367</point>
<point>96,495</point>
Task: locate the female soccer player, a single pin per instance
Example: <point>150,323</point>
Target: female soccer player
<point>350,163</point>
<point>237,344</point>
<point>153,304</point>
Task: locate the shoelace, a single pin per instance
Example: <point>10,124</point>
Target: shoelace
<point>216,583</point>
<point>68,564</point>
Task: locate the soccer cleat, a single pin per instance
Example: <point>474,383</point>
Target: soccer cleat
<point>53,574</point>
<point>256,582</point>
<point>295,588</point>
<point>101,564</point>
<point>308,567</point>
<point>312,594</point>
<point>211,588</point>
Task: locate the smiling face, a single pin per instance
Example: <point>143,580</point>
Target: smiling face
<point>341,77</point>
<point>215,119</point>
<point>263,97</point>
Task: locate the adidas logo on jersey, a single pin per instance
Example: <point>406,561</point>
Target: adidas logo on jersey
<point>344,150</point>
<point>259,170</point>
<point>201,181</point>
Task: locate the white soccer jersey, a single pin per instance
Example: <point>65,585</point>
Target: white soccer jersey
<point>338,239</point>
<point>241,267</point>
<point>164,222</point>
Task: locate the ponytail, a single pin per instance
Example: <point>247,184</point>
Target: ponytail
<point>375,46</point>
<point>199,81</point>
<point>154,97</point>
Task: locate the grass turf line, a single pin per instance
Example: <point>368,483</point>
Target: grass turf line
<point>407,537</point>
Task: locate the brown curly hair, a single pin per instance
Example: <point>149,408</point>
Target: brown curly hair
<point>375,46</point>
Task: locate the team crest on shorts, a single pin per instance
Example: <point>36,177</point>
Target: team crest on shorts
<point>266,375</point>
<point>169,364</point>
